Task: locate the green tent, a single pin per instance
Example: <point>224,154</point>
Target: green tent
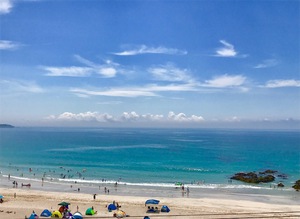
<point>89,211</point>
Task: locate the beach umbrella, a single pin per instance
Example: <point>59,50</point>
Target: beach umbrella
<point>89,211</point>
<point>1,196</point>
<point>151,202</point>
<point>64,203</point>
<point>46,213</point>
<point>111,207</point>
<point>77,215</point>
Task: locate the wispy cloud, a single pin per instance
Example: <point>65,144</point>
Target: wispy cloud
<point>169,72</point>
<point>72,71</point>
<point>6,6</point>
<point>9,45</point>
<point>148,90</point>
<point>19,86</point>
<point>228,51</point>
<point>143,49</point>
<point>267,63</point>
<point>110,103</point>
<point>282,83</point>
<point>125,117</point>
<point>107,70</point>
<point>114,92</point>
<point>225,81</point>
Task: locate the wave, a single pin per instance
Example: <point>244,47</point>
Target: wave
<point>94,182</point>
<point>107,148</point>
<point>169,185</point>
<point>188,140</point>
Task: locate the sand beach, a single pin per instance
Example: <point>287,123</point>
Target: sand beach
<point>22,201</point>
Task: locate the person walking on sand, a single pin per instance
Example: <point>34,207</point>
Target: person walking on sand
<point>95,196</point>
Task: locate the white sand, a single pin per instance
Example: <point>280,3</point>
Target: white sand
<point>28,200</point>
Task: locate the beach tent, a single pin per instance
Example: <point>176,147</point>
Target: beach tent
<point>33,216</point>
<point>89,211</point>
<point>146,217</point>
<point>56,214</point>
<point>178,184</point>
<point>111,207</point>
<point>165,208</point>
<point>120,214</point>
<point>152,202</point>
<point>77,215</point>
<point>1,196</point>
<point>46,213</point>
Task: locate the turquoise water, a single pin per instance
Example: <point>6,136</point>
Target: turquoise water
<point>158,157</point>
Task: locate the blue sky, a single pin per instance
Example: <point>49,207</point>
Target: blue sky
<point>150,63</point>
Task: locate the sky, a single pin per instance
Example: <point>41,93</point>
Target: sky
<point>134,63</point>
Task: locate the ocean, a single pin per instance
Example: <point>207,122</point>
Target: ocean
<point>198,158</point>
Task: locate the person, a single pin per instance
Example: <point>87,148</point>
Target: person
<point>94,196</point>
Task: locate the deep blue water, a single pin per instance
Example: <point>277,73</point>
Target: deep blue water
<point>161,156</point>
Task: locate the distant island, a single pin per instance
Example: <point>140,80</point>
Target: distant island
<point>6,126</point>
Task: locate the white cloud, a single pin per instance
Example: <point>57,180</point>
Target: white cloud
<point>72,71</point>
<point>125,117</point>
<point>267,63</point>
<point>227,50</point>
<point>143,49</point>
<point>108,72</point>
<point>224,81</point>
<point>6,6</point>
<point>8,45</point>
<point>169,72</point>
<point>87,116</point>
<point>282,83</point>
<point>181,117</point>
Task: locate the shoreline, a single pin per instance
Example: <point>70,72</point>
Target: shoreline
<point>220,204</point>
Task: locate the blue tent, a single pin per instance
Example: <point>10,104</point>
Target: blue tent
<point>165,208</point>
<point>46,213</point>
<point>33,216</point>
<point>151,202</point>
<point>111,207</point>
<point>77,215</point>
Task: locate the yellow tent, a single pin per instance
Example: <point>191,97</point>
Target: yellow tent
<point>56,214</point>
